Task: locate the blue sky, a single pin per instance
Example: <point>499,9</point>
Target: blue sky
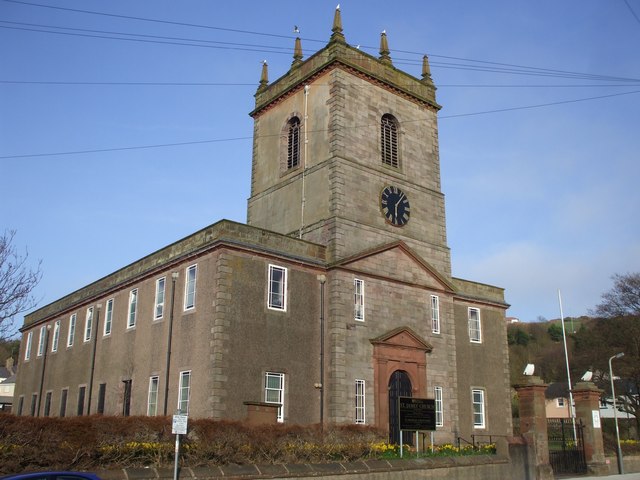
<point>538,199</point>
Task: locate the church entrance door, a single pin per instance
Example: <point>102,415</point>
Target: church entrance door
<point>399,386</point>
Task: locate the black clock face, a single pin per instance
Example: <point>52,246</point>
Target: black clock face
<point>395,206</point>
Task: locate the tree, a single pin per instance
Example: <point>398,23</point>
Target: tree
<point>594,347</point>
<point>17,282</point>
<point>620,325</point>
<point>555,332</point>
<point>521,337</point>
<point>9,348</point>
<point>517,336</point>
<point>623,299</point>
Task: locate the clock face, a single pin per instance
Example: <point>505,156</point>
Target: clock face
<point>395,206</point>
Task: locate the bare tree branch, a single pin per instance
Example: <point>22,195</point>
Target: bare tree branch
<point>623,299</point>
<point>17,282</point>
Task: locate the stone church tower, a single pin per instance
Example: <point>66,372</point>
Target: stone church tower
<point>366,130</point>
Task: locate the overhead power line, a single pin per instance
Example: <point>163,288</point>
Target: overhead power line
<point>138,84</point>
<point>190,42</point>
<point>143,19</point>
<point>254,84</point>
<point>141,35</point>
<point>120,149</point>
<point>632,11</point>
<point>219,140</point>
<point>143,40</point>
<point>483,65</point>
<point>541,105</point>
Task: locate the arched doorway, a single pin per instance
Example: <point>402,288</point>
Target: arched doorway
<point>398,354</point>
<point>399,386</point>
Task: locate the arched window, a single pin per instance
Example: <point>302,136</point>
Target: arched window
<point>293,143</point>
<point>389,140</point>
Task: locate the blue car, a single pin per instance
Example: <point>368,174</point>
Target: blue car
<point>52,476</point>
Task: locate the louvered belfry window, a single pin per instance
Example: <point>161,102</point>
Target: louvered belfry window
<point>389,140</point>
<point>293,143</point>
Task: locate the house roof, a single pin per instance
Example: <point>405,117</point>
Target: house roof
<point>557,390</point>
<point>10,379</point>
<point>5,372</point>
<point>220,234</point>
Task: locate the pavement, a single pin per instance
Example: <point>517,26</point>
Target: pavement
<point>626,476</point>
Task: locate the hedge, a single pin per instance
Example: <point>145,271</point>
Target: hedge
<point>101,442</point>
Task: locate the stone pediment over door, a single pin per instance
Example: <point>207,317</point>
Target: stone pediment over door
<point>399,349</point>
<point>402,338</point>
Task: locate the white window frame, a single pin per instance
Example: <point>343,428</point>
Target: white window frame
<point>190,287</point>
<point>161,285</point>
<point>56,336</point>
<point>27,348</point>
<point>152,399</point>
<point>108,317</point>
<point>132,311</point>
<point>360,401</point>
<point>71,334</point>
<point>479,408</point>
<point>435,314</point>
<point>184,392</point>
<point>277,297</point>
<point>41,338</point>
<point>358,299</point>
<point>278,391</point>
<point>88,324</point>
<point>560,403</point>
<point>475,325</point>
<point>437,394</point>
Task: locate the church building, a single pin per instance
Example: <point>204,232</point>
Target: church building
<point>333,300</point>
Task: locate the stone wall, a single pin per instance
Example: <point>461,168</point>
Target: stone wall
<point>461,468</point>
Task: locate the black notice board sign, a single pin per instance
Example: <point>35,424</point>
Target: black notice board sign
<point>417,413</point>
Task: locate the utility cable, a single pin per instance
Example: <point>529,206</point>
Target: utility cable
<point>250,32</point>
<point>142,19</point>
<point>219,140</point>
<point>255,84</point>
<point>155,39</point>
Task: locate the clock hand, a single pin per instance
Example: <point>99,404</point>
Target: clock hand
<point>398,203</point>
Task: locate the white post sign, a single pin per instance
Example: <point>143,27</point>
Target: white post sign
<point>596,418</point>
<point>179,425</point>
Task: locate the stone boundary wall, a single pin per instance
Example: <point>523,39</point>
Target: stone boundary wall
<point>631,464</point>
<point>462,468</point>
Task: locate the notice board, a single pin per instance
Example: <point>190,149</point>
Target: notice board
<point>417,413</point>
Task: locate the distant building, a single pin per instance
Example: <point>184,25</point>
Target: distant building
<point>335,298</point>
<point>557,403</point>
<point>625,389</point>
<point>7,385</point>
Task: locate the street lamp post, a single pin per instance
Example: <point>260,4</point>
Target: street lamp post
<point>615,413</point>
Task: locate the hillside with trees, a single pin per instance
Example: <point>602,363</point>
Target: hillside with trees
<point>612,328</point>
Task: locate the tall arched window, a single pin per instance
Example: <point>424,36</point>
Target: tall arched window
<point>293,143</point>
<point>389,140</point>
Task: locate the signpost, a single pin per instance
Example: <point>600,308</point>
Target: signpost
<point>178,427</point>
<point>416,414</point>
